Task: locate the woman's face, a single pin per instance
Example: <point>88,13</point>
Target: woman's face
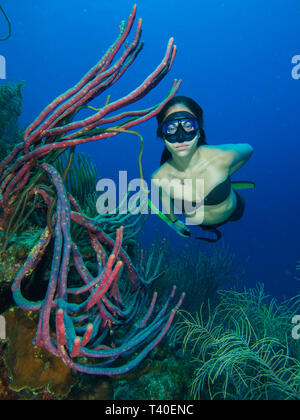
<point>181,148</point>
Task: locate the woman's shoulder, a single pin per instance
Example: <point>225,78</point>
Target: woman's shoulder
<point>212,148</point>
<point>226,155</point>
<point>214,151</point>
<point>211,151</point>
<point>161,172</point>
<point>224,148</point>
<point>217,155</point>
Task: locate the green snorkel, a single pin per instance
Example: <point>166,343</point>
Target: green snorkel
<point>8,23</point>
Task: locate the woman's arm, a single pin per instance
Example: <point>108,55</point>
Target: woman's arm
<point>235,155</point>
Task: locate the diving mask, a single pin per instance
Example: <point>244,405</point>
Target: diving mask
<point>180,127</point>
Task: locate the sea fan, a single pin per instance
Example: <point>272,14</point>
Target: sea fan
<point>235,353</point>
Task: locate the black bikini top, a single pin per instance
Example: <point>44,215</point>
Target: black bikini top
<point>218,194</point>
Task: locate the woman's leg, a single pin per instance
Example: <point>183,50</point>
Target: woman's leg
<point>239,209</point>
<point>236,215</point>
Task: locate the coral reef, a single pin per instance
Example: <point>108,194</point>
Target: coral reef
<point>32,367</point>
<point>93,388</point>
<point>84,313</point>
<point>5,392</point>
<point>165,375</point>
<point>88,288</point>
<point>243,349</point>
<point>10,110</point>
<point>81,179</point>
<point>80,182</point>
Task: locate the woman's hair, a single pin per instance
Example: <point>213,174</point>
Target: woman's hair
<point>195,109</point>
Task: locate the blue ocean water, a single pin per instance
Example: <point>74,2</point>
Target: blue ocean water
<point>235,59</point>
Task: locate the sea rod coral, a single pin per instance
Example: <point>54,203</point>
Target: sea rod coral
<point>103,317</point>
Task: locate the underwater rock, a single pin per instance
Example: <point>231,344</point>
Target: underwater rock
<point>163,378</point>
<point>14,256</point>
<point>93,389</point>
<point>11,261</point>
<point>6,299</point>
<point>30,366</point>
<point>5,392</point>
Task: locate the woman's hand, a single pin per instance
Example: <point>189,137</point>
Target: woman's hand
<point>181,228</point>
<point>235,155</point>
